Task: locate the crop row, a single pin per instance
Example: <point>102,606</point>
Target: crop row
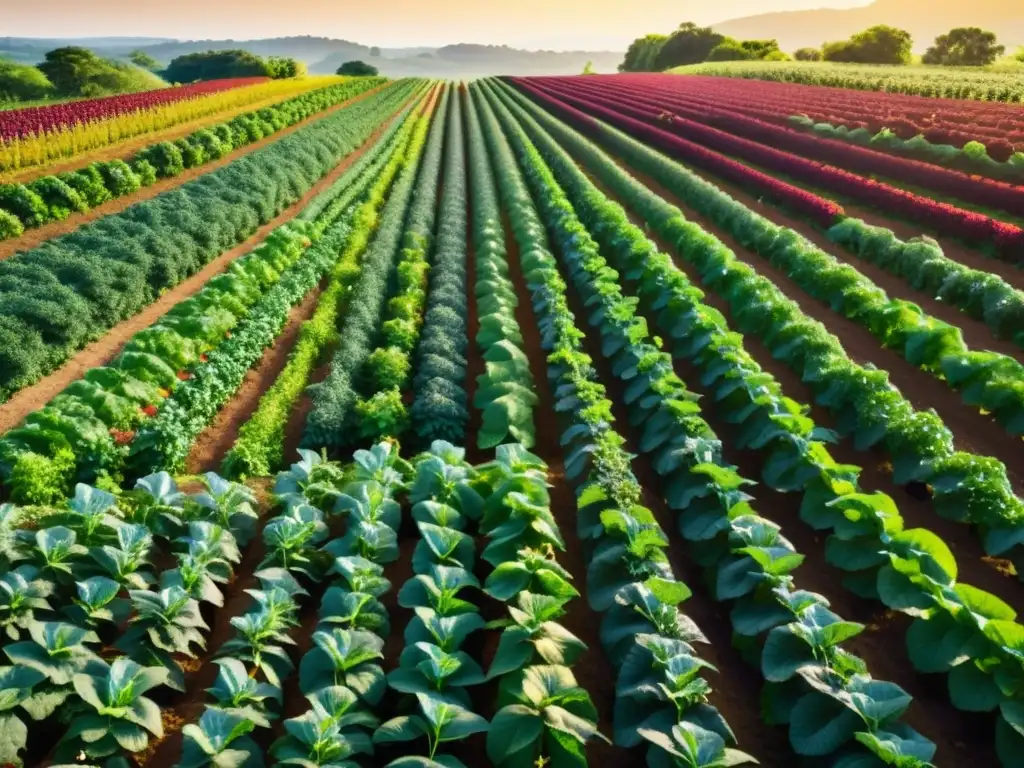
<point>925,86</point>
<point>334,399</point>
<point>55,197</point>
<point>705,108</point>
<point>59,296</point>
<point>144,410</point>
<point>1003,239</point>
<point>867,406</point>
<point>41,120</point>
<point>908,570</point>
<point>83,579</point>
<point>31,153</point>
<point>386,379</point>
<point>687,454</point>
<point>504,392</point>
<point>440,408</point>
<point>941,122</point>
<point>629,579</point>
<point>259,448</point>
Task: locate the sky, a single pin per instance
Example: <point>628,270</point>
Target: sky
<point>553,24</point>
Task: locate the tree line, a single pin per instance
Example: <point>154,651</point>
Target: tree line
<point>72,72</point>
<point>881,44</point>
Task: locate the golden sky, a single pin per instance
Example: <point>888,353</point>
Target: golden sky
<point>556,24</point>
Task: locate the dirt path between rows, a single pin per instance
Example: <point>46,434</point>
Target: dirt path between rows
<point>105,349</point>
<point>125,148</point>
<point>35,237</point>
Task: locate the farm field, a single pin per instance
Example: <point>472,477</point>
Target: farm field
<point>550,421</point>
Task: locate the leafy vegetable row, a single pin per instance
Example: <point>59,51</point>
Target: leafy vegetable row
<point>504,391</point>
<point>338,675</point>
<point>629,578</point>
<point>259,448</point>
<point>102,544</point>
<point>812,680</point>
<point>991,381</point>
<point>433,670</point>
<point>965,487</point>
<point>55,197</point>
<point>440,408</point>
<point>957,628</point>
<point>57,297</point>
<point>334,399</point>
<point>387,375</point>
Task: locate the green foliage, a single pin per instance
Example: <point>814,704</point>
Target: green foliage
<point>10,225</point>
<point>643,53</point>
<point>730,50</point>
<point>282,67</point>
<point>689,44</point>
<point>25,204</point>
<point>388,368</point>
<point>165,157</point>
<point>60,199</point>
<point>357,68</point>
<point>807,54</point>
<point>216,65</point>
<point>964,47</point>
<point>118,177</point>
<point>22,82</point>
<point>78,71</point>
<point>143,60</point>
<point>880,44</point>
<point>382,415</point>
<point>36,479</point>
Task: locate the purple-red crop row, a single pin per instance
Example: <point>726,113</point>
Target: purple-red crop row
<point>861,160</point>
<point>659,127</point>
<point>821,211</point>
<point>19,123</point>
<point>942,121</point>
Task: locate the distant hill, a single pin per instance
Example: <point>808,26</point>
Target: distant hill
<point>924,19</point>
<point>324,55</point>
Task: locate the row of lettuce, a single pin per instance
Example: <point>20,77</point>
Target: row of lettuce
<point>54,197</point>
<point>143,411</point>
<point>956,629</point>
<point>60,295</point>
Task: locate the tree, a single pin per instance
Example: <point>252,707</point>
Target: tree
<point>216,65</point>
<point>642,53</point>
<point>143,60</point>
<point>357,69</point>
<point>22,82</point>
<point>964,47</point>
<point>877,45</point>
<point>760,48</point>
<point>689,44</point>
<point>588,69</point>
<point>776,55</point>
<point>71,68</point>
<point>730,50</point>
<point>807,54</point>
<point>375,52</point>
<point>282,67</point>
<point>1019,55</point>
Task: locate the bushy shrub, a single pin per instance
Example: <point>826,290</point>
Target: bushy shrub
<point>37,479</point>
<point>807,54</point>
<point>211,146</point>
<point>60,199</point>
<point>10,225</point>
<point>388,367</point>
<point>165,157</point>
<point>22,202</point>
<point>383,415</point>
<point>88,182</point>
<point>119,178</point>
<point>144,170</point>
<point>191,154</point>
